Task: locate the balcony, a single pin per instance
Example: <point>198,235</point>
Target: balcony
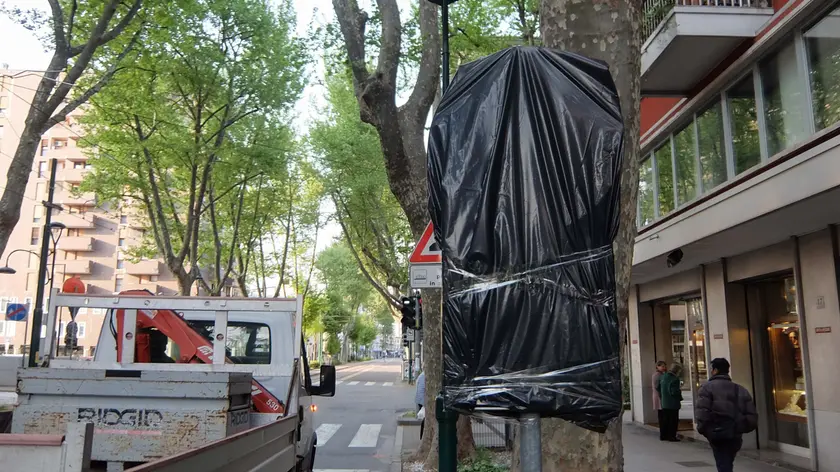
<point>83,267</point>
<point>87,199</point>
<point>142,268</point>
<point>77,221</point>
<point>686,39</point>
<point>73,175</point>
<point>76,244</point>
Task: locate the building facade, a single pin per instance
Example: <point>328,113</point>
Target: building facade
<point>93,245</point>
<point>739,200</point>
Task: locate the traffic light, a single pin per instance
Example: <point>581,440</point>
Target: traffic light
<point>409,312</point>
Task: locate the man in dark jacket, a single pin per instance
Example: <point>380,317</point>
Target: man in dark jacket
<point>725,411</point>
<point>671,397</point>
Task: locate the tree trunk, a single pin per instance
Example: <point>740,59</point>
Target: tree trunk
<point>607,30</point>
<point>185,281</point>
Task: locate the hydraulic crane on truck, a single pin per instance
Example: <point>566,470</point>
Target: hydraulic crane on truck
<point>193,347</point>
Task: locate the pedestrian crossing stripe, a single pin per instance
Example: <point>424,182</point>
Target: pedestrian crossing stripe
<point>325,432</point>
<point>364,384</point>
<point>366,436</point>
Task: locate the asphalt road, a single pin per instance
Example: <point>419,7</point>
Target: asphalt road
<point>357,428</point>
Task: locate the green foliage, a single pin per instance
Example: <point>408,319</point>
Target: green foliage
<point>482,462</point>
<point>363,331</point>
<point>314,307</point>
<point>346,287</point>
<point>196,133</point>
<point>349,156</point>
<point>333,347</point>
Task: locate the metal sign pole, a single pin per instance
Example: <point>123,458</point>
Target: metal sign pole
<point>530,444</point>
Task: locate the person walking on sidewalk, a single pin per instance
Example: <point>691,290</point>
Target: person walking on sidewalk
<point>657,400</point>
<point>725,411</point>
<point>419,396</point>
<point>671,397</point>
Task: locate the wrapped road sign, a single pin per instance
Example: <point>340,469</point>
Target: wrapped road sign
<point>524,167</point>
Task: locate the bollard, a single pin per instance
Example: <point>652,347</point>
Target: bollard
<point>447,437</point>
<point>530,452</point>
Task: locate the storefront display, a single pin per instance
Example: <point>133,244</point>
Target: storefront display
<point>789,402</point>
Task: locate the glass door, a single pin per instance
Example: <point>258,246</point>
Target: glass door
<point>696,344</point>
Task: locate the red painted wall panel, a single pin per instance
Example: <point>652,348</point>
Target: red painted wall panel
<point>653,109</point>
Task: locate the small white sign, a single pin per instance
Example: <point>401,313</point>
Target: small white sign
<point>409,335</point>
<point>426,275</point>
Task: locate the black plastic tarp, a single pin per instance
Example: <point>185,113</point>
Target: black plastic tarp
<point>524,167</point>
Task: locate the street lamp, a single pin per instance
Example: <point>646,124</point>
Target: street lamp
<point>444,19</point>
<point>8,269</point>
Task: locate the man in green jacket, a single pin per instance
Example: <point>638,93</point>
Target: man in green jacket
<point>671,395</point>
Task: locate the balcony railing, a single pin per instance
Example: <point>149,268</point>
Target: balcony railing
<point>655,11</point>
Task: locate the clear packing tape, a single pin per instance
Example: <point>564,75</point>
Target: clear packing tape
<point>524,170</point>
<point>488,352</point>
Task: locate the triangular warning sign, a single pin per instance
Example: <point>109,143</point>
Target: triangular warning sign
<point>427,250</point>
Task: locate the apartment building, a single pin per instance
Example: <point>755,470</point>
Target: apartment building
<point>737,253</point>
<point>96,237</point>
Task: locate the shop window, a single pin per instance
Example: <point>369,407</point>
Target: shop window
<point>712,145</point>
<point>823,45</point>
<point>785,107</point>
<point>685,154</point>
<point>744,119</point>
<point>646,211</point>
<point>665,178</point>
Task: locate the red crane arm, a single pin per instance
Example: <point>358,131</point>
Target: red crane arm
<point>194,348</point>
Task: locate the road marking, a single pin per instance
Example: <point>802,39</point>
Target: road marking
<point>325,432</point>
<point>356,373</point>
<point>388,384</point>
<point>369,384</point>
<point>366,436</point>
<point>339,382</point>
<point>353,383</point>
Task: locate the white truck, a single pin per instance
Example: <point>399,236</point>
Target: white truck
<point>177,380</point>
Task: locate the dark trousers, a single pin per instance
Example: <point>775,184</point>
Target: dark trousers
<point>725,452</point>
<point>669,422</point>
<point>663,428</point>
<point>422,422</point>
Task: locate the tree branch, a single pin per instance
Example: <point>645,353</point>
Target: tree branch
<point>61,45</point>
<point>423,94</point>
<point>94,89</point>
<point>387,296</point>
<point>389,50</point>
<point>352,22</point>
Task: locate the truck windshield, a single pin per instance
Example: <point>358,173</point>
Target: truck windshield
<point>247,343</point>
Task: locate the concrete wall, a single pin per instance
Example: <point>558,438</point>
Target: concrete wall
<point>822,313</point>
<point>642,360</point>
<point>678,284</point>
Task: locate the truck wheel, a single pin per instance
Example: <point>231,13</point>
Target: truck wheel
<point>307,464</point>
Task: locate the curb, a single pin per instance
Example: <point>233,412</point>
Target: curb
<point>396,455</point>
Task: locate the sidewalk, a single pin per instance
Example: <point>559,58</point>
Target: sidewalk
<point>643,452</point>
